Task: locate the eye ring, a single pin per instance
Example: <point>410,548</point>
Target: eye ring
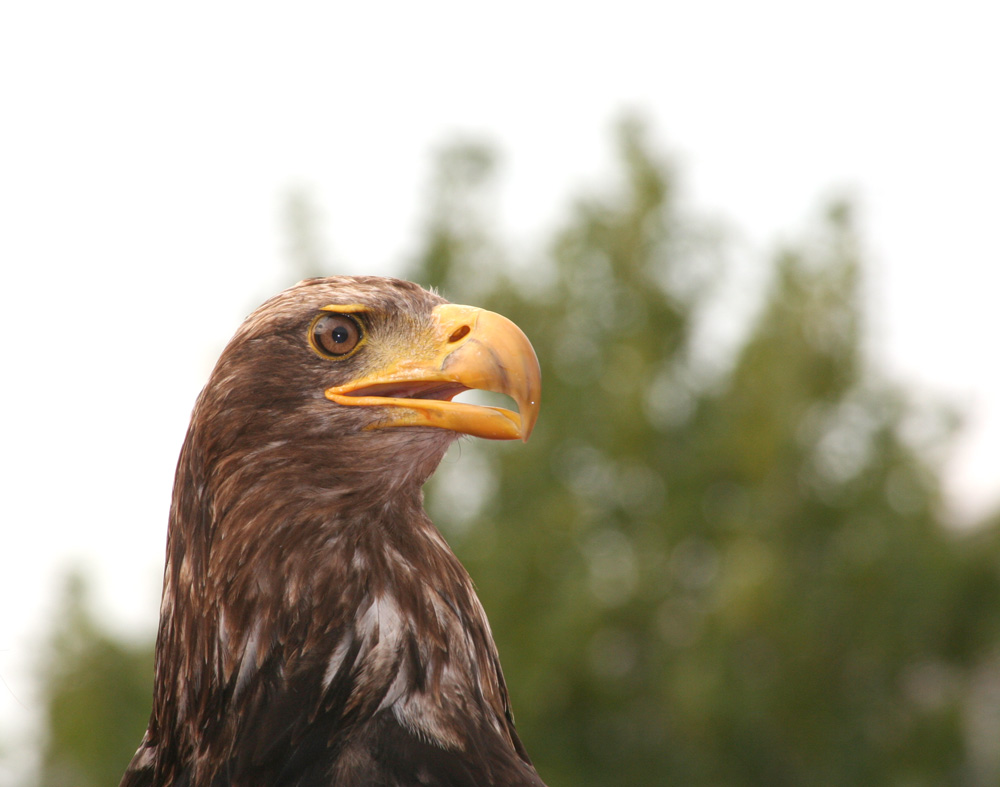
<point>335,336</point>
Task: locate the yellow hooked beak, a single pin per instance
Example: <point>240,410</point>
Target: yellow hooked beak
<point>467,348</point>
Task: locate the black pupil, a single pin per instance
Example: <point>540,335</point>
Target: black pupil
<point>340,334</point>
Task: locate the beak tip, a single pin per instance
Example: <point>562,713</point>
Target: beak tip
<point>529,415</point>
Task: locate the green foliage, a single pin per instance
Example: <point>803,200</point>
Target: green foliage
<point>96,692</point>
<point>729,578</point>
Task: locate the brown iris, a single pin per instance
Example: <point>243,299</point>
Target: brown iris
<point>335,335</point>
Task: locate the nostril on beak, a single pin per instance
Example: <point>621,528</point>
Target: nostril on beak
<point>459,333</point>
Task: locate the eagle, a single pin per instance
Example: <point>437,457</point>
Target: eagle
<point>315,627</point>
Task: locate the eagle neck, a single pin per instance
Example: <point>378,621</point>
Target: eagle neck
<point>273,559</point>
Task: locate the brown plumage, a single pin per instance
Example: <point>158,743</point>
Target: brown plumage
<point>315,628</point>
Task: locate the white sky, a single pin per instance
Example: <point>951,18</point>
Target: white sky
<point>145,151</point>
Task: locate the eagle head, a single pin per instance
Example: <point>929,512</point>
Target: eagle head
<point>315,628</point>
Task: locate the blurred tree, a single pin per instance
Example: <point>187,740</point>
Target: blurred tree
<point>96,695</point>
<point>306,252</point>
<point>735,578</point>
<point>703,568</point>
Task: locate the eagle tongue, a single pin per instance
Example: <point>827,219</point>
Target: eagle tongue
<point>443,391</point>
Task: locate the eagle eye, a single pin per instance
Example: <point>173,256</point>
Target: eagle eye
<point>335,335</point>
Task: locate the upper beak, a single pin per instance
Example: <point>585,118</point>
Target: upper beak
<point>466,348</point>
